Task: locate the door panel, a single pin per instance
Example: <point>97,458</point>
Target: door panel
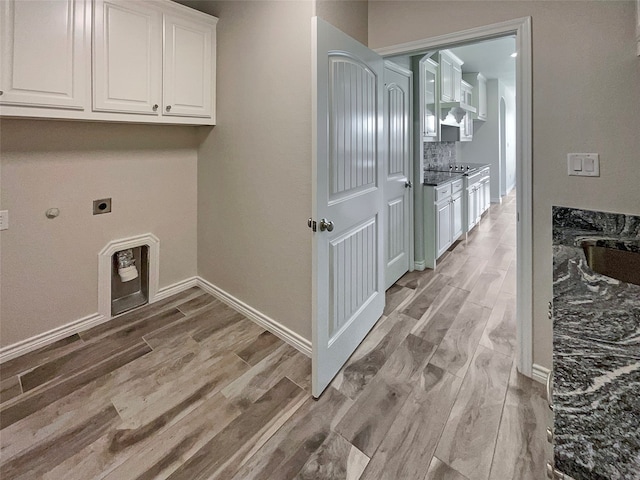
<point>348,268</point>
<point>397,130</point>
<point>46,66</point>
<point>127,61</point>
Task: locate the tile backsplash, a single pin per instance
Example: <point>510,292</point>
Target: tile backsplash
<point>441,153</point>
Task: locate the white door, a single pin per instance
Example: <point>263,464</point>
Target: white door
<point>397,186</point>
<point>348,253</point>
<point>188,67</point>
<point>43,53</point>
<point>127,57</point>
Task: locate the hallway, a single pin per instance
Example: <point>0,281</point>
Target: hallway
<point>189,389</point>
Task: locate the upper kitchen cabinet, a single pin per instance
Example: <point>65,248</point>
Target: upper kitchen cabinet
<point>479,94</point>
<point>466,127</point>
<point>429,95</point>
<point>148,61</point>
<point>44,56</point>
<point>450,76</point>
<point>127,57</point>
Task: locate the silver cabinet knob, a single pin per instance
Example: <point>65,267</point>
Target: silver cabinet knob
<point>326,225</point>
<point>549,435</point>
<point>550,390</point>
<point>155,107</point>
<point>168,108</point>
<point>1,92</point>
<point>408,184</point>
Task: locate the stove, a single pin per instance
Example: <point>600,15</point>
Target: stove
<point>464,168</point>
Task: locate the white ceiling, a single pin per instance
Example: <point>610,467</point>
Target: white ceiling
<point>492,58</point>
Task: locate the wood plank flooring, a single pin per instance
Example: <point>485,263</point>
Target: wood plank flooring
<point>187,388</point>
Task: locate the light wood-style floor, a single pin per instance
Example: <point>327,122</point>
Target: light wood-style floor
<point>189,389</point>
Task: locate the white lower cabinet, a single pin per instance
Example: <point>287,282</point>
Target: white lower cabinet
<point>478,194</point>
<point>443,219</point>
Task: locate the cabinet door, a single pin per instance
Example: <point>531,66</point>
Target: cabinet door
<point>127,57</point>
<point>43,53</point>
<point>457,79</point>
<point>446,79</point>
<point>429,74</point>
<point>482,98</point>
<point>487,195</point>
<point>456,217</point>
<point>443,226</point>
<point>188,67</point>
<point>471,208</point>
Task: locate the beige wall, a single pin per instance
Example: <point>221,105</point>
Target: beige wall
<point>49,267</point>
<point>586,98</point>
<point>349,16</point>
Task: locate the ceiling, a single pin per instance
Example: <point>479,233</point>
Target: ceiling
<point>491,57</point>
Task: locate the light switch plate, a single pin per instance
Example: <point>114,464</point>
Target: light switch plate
<point>4,219</point>
<point>583,164</point>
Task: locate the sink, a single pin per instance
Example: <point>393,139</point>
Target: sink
<point>619,264</point>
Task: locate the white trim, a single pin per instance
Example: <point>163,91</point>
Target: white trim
<point>420,266</point>
<point>521,28</point>
<point>540,373</point>
<point>85,323</point>
<point>177,287</point>
<point>279,330</point>
<point>104,268</point>
<point>46,338</point>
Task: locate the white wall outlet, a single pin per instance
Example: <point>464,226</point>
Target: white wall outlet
<point>583,164</point>
<point>4,219</point>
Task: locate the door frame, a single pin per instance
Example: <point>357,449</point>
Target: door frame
<point>404,71</point>
<point>521,28</point>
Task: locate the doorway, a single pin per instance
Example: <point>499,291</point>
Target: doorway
<point>521,30</point>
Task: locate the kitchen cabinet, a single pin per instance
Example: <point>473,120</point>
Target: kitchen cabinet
<point>430,116</point>
<point>150,61</point>
<point>44,63</point>
<point>479,94</point>
<point>450,76</point>
<point>466,127</point>
<point>443,218</point>
<point>478,197</point>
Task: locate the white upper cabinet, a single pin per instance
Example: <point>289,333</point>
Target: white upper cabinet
<point>429,93</point>
<point>143,61</point>
<point>43,54</point>
<point>479,96</point>
<point>188,69</point>
<point>127,57</point>
<point>466,128</point>
<point>450,76</point>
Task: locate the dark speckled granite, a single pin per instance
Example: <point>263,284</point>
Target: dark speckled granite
<point>596,350</point>
<point>437,178</point>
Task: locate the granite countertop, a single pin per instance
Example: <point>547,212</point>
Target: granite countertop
<point>596,350</point>
<point>432,178</point>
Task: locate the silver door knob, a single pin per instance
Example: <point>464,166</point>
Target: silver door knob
<point>408,184</point>
<point>326,225</point>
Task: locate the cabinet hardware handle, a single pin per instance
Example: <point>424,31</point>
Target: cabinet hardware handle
<point>168,108</point>
<point>408,184</point>
<point>550,315</point>
<point>1,92</point>
<point>549,388</point>
<point>549,435</point>
<point>155,107</point>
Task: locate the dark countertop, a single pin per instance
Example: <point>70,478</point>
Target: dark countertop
<point>596,350</point>
<point>434,179</point>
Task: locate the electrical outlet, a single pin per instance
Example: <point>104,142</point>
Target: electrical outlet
<point>4,219</point>
<point>102,206</point>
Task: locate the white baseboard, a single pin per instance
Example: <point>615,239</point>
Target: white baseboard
<point>82,324</point>
<point>47,338</point>
<point>178,287</point>
<point>539,373</point>
<point>420,266</point>
<point>279,330</point>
